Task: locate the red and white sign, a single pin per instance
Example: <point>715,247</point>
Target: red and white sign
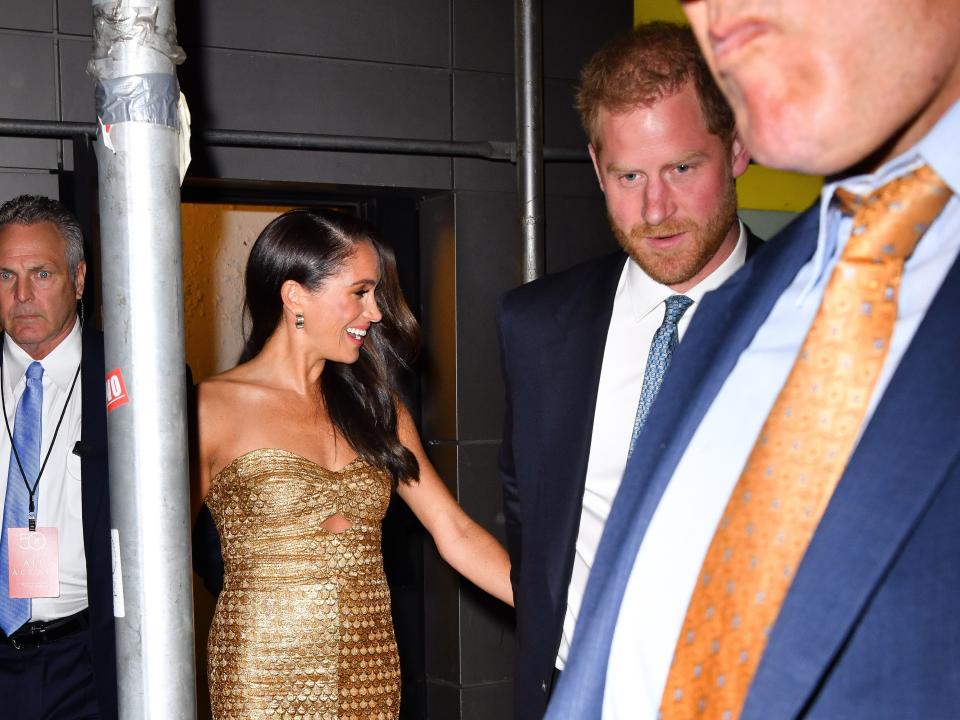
<point>116,390</point>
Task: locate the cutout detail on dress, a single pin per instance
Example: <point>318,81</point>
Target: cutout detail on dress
<point>336,524</point>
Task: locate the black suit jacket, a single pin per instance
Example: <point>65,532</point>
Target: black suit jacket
<point>96,521</point>
<point>95,500</point>
<point>552,337</point>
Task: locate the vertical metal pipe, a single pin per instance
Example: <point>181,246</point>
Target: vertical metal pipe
<point>528,66</point>
<point>134,59</point>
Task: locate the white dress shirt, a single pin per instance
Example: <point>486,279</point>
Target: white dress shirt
<point>58,495</point>
<point>638,310</point>
<point>674,546</point>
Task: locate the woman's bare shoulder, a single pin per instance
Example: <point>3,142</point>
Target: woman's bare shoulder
<point>224,401</point>
<point>229,395</point>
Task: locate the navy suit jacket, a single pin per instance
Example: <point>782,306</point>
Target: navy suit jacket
<point>869,628</point>
<point>552,337</point>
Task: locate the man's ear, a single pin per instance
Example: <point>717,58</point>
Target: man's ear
<point>596,165</point>
<point>739,155</point>
<point>80,277</point>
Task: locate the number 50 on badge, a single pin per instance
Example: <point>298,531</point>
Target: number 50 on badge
<point>34,562</point>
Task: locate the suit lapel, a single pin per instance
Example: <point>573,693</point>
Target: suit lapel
<point>877,503</point>
<point>724,323</point>
<point>572,359</point>
<point>570,373</point>
<point>723,326</point>
<point>93,434</point>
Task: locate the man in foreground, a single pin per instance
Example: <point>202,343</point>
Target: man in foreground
<point>784,544</point>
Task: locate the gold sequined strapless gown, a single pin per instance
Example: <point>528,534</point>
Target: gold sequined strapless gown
<point>302,628</point>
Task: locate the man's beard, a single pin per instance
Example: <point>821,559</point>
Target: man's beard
<point>677,265</point>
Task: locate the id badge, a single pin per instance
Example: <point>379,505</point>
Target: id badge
<point>34,562</point>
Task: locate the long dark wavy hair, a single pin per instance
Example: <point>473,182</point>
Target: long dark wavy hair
<point>308,246</point>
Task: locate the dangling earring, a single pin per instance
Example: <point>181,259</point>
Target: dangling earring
<point>299,317</point>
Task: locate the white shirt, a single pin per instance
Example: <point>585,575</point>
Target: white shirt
<point>674,546</point>
<point>58,494</point>
<point>638,310</point>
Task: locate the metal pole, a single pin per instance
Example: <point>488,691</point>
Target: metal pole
<point>528,64</point>
<point>133,62</point>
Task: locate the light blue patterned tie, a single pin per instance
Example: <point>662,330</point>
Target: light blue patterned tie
<point>665,340</point>
<point>14,612</point>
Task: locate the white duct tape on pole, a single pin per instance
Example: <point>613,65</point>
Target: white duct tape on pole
<point>183,135</point>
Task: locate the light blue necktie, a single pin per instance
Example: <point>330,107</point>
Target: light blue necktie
<point>665,340</point>
<point>14,612</point>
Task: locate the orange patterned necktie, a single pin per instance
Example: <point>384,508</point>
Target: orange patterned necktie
<point>798,457</point>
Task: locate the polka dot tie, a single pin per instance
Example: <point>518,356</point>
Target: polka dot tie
<point>799,455</point>
<point>664,342</point>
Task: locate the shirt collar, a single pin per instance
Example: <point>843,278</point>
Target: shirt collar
<point>935,149</point>
<point>646,294</point>
<point>60,366</point>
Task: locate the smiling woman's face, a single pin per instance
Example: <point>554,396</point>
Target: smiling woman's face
<point>338,315</point>
<point>819,85</point>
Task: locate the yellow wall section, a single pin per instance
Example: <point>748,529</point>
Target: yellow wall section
<point>647,10</point>
<point>760,188</point>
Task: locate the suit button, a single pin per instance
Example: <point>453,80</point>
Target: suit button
<point>543,686</point>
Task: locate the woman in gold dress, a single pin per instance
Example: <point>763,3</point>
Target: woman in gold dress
<point>301,445</point>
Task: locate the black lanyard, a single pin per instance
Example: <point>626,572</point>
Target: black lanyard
<point>31,508</point>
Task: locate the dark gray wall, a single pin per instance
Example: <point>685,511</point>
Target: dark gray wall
<point>435,69</point>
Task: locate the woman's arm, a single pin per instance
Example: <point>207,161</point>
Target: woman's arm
<point>467,547</point>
